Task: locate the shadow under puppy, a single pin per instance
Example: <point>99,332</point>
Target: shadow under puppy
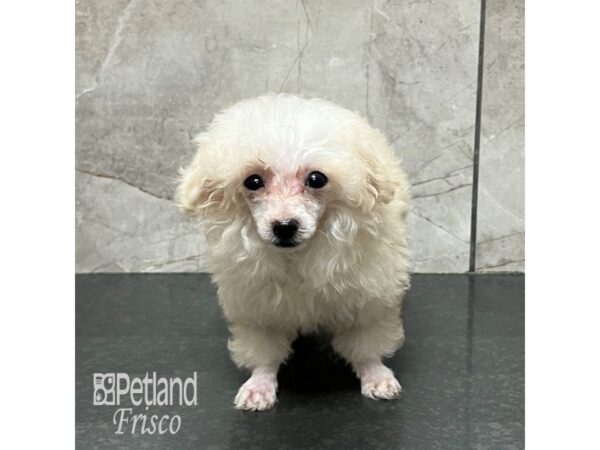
<point>304,209</point>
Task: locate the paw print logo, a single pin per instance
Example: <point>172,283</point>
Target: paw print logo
<point>104,388</point>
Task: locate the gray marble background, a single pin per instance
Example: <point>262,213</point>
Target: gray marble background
<point>151,74</point>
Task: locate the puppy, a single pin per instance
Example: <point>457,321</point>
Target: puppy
<point>304,209</point>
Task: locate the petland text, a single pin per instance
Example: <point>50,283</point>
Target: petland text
<point>117,389</point>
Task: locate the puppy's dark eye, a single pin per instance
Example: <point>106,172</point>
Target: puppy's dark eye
<point>316,180</point>
<point>253,182</point>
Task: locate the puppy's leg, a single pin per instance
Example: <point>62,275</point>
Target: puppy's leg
<point>259,392</point>
<point>376,380</point>
<point>261,350</point>
<point>364,347</point>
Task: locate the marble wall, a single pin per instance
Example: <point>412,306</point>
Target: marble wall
<point>151,74</point>
<point>501,206</point>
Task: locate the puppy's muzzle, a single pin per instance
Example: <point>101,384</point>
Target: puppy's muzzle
<point>285,231</point>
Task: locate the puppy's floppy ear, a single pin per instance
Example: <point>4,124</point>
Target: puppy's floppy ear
<point>380,177</point>
<point>202,186</point>
<point>383,177</point>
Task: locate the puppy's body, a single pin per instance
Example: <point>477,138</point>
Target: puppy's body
<point>342,267</point>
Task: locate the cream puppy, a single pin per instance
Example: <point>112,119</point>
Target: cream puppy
<point>304,208</point>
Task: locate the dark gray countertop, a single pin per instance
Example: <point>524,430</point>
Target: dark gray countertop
<point>462,369</point>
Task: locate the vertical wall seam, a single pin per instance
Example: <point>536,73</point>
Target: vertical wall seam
<point>476,143</point>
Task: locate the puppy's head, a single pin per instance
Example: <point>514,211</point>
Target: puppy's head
<point>292,167</point>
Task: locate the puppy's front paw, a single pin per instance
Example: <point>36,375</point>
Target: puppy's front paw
<point>380,383</point>
<point>256,394</point>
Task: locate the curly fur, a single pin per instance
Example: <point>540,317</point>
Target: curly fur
<point>351,271</point>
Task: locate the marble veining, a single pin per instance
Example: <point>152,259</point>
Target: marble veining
<point>150,75</point>
<point>501,209</point>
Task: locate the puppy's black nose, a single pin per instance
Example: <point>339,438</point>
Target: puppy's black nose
<point>285,229</point>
